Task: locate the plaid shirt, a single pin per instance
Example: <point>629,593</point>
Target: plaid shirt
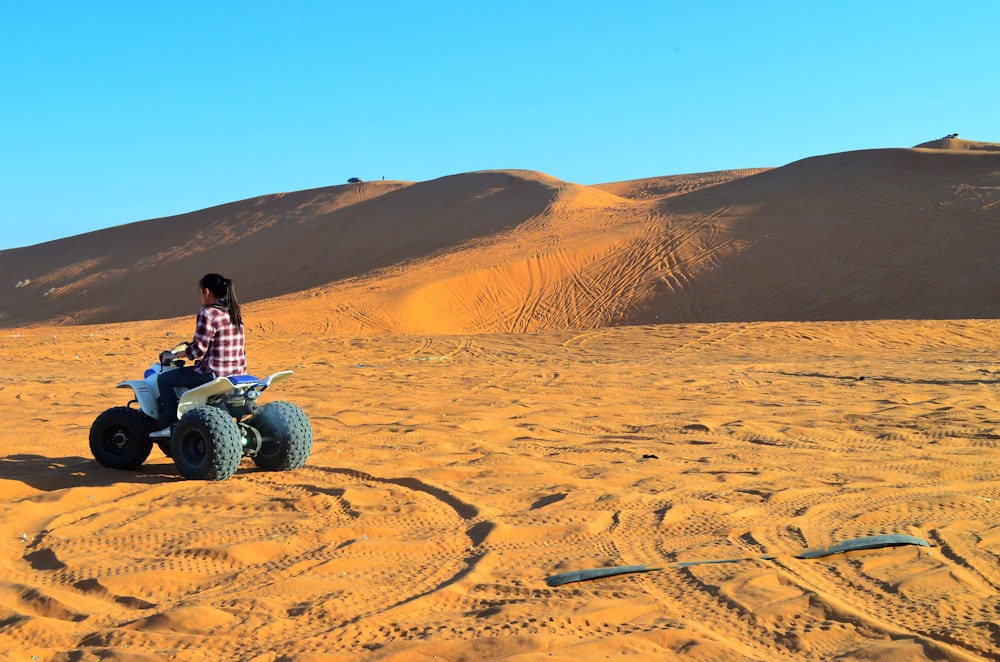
<point>218,345</point>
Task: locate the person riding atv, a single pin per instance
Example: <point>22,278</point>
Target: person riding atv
<point>207,412</point>
<point>218,347</point>
<point>219,423</point>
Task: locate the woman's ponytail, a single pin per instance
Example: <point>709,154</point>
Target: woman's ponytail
<point>222,288</point>
<point>232,305</point>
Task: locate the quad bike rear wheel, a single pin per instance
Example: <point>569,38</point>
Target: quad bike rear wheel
<point>286,436</point>
<point>119,438</point>
<point>206,444</point>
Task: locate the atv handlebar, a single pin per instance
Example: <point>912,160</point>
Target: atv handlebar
<point>173,360</point>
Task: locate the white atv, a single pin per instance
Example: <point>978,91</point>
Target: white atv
<point>217,424</point>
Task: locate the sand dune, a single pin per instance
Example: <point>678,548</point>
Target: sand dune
<point>846,236</point>
<point>496,399</point>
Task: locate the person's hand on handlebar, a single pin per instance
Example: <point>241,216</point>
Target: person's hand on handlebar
<point>169,356</point>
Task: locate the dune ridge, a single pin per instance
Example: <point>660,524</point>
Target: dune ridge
<point>953,142</point>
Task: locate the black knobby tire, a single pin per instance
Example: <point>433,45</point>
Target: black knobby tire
<point>206,444</point>
<point>119,438</point>
<point>286,436</point>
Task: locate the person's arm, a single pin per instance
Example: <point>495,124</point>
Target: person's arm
<point>203,333</point>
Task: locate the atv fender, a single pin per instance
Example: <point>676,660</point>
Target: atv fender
<point>199,395</point>
<point>144,395</point>
<point>277,377</point>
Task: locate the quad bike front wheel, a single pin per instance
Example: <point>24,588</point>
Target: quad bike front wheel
<point>206,444</point>
<point>286,436</point>
<point>119,438</point>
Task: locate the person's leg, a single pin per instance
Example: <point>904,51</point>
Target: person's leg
<point>167,380</point>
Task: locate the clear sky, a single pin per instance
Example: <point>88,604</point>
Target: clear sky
<point>113,112</point>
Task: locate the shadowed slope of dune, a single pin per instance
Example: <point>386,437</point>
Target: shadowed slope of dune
<point>144,270</point>
<point>860,235</point>
<point>271,246</point>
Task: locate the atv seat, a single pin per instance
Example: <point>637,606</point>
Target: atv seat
<point>240,380</point>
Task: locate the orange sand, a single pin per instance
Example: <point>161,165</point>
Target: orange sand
<point>457,465</point>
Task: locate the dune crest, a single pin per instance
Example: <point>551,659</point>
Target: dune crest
<point>954,143</point>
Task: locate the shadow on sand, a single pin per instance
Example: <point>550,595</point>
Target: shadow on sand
<point>57,473</point>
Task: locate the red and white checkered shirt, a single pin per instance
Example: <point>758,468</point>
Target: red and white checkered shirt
<point>218,346</point>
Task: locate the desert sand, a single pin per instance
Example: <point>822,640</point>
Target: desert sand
<point>510,377</point>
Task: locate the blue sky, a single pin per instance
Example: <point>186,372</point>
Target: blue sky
<point>114,112</point>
